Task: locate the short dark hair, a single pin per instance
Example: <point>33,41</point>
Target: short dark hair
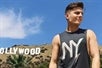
<point>74,5</point>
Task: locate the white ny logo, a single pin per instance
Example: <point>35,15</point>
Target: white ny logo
<point>70,49</point>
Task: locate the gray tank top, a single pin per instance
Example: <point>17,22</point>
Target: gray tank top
<point>73,50</point>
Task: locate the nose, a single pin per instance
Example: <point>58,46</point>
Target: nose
<point>80,14</point>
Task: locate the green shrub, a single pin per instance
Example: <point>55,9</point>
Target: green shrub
<point>43,65</point>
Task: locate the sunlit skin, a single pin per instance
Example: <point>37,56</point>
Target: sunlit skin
<point>74,18</point>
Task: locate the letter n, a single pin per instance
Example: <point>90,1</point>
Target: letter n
<point>69,48</point>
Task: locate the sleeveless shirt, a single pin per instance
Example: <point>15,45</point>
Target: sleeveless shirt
<point>73,50</point>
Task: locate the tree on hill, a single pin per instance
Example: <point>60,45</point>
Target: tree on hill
<point>20,61</point>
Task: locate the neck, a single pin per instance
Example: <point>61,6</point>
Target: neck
<point>72,28</point>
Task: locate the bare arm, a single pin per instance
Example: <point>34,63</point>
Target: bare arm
<point>55,49</point>
<point>93,49</point>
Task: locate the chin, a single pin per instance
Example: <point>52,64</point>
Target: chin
<point>77,23</point>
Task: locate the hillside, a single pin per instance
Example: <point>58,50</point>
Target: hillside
<point>44,55</point>
<point>100,48</point>
<point>45,51</point>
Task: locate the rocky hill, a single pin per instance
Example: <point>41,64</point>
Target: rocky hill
<point>45,52</point>
<point>44,55</point>
<point>100,48</point>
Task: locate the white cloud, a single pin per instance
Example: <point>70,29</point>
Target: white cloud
<point>13,25</point>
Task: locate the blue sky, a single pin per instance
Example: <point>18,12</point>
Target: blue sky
<point>35,22</point>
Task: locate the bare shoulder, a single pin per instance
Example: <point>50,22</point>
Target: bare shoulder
<point>91,33</point>
<point>56,39</point>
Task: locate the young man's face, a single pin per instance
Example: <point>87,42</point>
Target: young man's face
<point>74,16</point>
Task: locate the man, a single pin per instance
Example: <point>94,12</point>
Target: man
<point>75,47</point>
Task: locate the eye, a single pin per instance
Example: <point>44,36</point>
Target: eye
<point>77,13</point>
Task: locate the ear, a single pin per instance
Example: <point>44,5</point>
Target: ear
<point>66,16</point>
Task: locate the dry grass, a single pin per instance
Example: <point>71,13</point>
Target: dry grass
<point>45,52</point>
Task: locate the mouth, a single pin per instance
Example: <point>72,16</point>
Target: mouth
<point>78,19</point>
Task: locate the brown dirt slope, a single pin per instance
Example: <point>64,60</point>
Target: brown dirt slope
<point>45,53</point>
